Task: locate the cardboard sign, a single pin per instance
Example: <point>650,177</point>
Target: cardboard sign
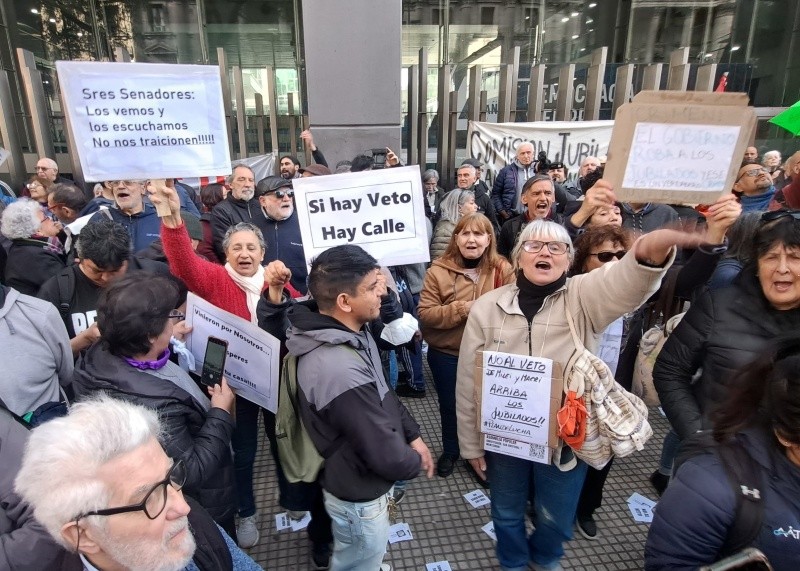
<point>515,399</point>
<point>678,147</point>
<point>382,211</point>
<point>145,120</point>
<point>253,362</point>
<point>517,448</point>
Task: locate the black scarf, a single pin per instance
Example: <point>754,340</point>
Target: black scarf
<point>531,296</point>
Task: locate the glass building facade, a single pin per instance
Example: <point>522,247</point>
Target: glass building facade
<point>756,41</point>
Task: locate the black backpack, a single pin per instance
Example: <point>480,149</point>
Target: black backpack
<point>747,482</point>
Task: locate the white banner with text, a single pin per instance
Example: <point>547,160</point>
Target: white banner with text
<point>252,365</point>
<point>380,210</point>
<point>569,142</point>
<point>145,120</point>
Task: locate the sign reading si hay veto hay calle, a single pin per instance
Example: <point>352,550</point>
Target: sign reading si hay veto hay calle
<point>381,211</point>
<point>678,147</point>
<point>144,120</point>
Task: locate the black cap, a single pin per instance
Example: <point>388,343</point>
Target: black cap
<point>473,162</point>
<point>271,184</point>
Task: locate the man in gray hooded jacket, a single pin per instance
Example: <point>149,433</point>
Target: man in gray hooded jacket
<point>367,437</point>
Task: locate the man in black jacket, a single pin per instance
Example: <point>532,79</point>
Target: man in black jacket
<point>238,206</point>
<point>467,179</point>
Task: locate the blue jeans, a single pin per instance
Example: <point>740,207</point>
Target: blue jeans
<point>443,370</point>
<point>360,533</point>
<point>555,504</point>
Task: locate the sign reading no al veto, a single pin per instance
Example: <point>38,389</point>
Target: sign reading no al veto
<point>380,210</point>
<point>145,120</point>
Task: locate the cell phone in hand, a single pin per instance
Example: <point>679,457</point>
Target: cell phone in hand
<point>214,362</point>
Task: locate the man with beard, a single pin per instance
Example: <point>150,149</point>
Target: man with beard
<point>238,206</point>
<point>284,242</point>
<point>538,199</point>
<point>105,453</point>
<point>754,185</point>
<point>290,165</point>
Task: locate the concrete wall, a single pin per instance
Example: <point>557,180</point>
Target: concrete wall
<point>352,51</point>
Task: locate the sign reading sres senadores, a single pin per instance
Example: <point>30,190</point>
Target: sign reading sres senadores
<point>141,120</point>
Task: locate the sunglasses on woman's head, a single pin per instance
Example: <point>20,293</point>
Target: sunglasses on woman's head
<point>608,256</point>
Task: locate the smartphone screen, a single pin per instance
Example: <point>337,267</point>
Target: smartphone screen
<point>214,362</point>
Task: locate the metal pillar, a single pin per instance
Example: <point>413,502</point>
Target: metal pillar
<point>422,85</point>
<point>594,84</point>
<point>474,94</point>
<point>651,81</point>
<point>292,124</point>
<point>8,131</point>
<point>241,123</point>
<point>262,148</point>
<point>226,94</point>
<point>623,87</point>
<point>273,108</point>
<point>565,92</point>
<point>678,77</point>
<point>705,77</point>
<point>443,128</point>
<point>507,96</point>
<point>452,127</point>
<point>36,103</point>
<point>412,119</point>
<point>536,93</point>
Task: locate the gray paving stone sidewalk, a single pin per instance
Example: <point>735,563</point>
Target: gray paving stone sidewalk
<point>446,527</point>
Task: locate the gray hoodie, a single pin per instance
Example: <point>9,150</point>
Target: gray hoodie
<point>37,354</point>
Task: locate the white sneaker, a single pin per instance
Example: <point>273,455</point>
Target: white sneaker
<point>247,531</point>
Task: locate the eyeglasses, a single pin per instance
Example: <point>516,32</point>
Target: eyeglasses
<point>175,314</point>
<point>533,246</point>
<point>608,256</point>
<point>279,194</point>
<point>752,172</point>
<point>156,499</point>
<point>38,168</point>
<point>32,185</point>
<point>778,214</point>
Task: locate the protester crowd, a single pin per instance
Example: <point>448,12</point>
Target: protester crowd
<point>114,456</point>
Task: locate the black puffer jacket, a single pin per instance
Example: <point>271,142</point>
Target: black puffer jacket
<point>724,330</point>
<point>231,211</point>
<point>30,263</point>
<point>201,439</point>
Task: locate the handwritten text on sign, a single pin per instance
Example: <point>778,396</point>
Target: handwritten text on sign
<point>253,354</point>
<point>680,156</point>
<point>516,396</point>
<point>381,211</point>
<point>144,120</point>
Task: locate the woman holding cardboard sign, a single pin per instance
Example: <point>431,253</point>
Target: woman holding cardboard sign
<point>236,288</point>
<point>529,317</point>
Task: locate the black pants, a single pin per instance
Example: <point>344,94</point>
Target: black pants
<point>592,491</point>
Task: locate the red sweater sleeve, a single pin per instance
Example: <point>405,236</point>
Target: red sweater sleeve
<point>199,275</point>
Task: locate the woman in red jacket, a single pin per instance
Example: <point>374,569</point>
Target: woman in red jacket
<point>235,287</point>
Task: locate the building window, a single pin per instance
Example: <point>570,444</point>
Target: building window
<point>158,18</point>
<point>487,15</point>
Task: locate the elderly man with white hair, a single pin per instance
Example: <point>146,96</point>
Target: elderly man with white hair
<point>507,187</point>
<point>100,483</point>
<point>588,164</point>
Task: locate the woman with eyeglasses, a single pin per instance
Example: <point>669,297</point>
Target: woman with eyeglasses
<point>469,267</point>
<point>131,362</point>
<point>38,192</point>
<point>727,328</point>
<point>35,254</point>
<point>528,317</point>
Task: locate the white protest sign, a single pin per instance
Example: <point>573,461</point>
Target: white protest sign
<point>477,498</point>
<point>253,362</point>
<point>145,120</point>
<point>515,400</point>
<point>495,144</point>
<point>438,566</point>
<point>381,210</point>
<point>680,156</point>
<point>400,532</point>
<point>517,448</point>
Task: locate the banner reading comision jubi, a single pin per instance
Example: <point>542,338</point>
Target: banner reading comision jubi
<point>145,120</point>
<point>495,144</point>
<point>379,210</point>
